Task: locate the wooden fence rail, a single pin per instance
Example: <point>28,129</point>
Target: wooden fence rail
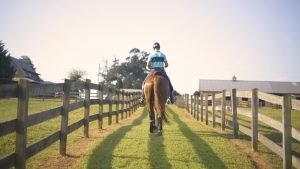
<point>23,91</point>
<point>285,127</point>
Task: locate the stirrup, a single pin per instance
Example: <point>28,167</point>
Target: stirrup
<point>142,100</point>
<point>171,100</point>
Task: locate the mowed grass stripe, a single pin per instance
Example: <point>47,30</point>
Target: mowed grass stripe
<point>213,150</point>
<point>184,144</point>
<point>120,149</point>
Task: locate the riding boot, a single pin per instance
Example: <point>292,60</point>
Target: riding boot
<point>142,98</point>
<point>171,98</point>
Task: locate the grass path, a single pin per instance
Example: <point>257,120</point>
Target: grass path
<point>184,144</point>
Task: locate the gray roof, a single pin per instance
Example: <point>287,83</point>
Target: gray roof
<point>26,67</point>
<point>275,87</point>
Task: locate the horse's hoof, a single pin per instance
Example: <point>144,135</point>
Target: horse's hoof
<point>159,133</point>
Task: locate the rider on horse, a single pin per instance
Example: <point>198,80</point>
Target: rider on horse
<point>157,62</point>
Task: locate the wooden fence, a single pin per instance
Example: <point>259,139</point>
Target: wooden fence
<point>198,106</point>
<point>24,90</point>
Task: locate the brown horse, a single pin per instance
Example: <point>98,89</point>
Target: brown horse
<point>156,93</point>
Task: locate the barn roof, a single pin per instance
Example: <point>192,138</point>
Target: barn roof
<point>275,87</point>
<point>26,67</point>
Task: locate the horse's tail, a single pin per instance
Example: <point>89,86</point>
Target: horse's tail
<point>160,96</point>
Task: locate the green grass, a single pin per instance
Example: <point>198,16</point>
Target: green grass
<point>269,132</point>
<point>276,114</point>
<point>184,144</point>
<point>8,107</point>
<point>8,110</point>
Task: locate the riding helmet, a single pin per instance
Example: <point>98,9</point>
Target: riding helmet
<point>156,45</point>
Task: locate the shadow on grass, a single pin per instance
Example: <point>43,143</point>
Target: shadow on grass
<point>157,155</point>
<point>203,150</point>
<point>102,155</point>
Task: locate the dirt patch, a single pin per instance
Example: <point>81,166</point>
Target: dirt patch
<point>256,158</point>
<point>81,146</point>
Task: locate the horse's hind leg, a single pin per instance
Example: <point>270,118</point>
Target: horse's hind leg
<point>152,121</point>
<point>159,126</point>
<point>148,89</point>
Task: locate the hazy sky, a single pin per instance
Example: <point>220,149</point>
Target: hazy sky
<point>202,39</point>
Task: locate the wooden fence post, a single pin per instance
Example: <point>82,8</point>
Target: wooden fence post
<point>286,132</point>
<point>234,113</point>
<point>223,112</point>
<point>137,100</point>
<point>213,103</point>
<point>201,107</point>
<point>254,107</point>
<point>109,96</point>
<point>134,102</point>
<point>117,105</point>
<point>206,109</point>
<point>187,102</point>
<point>100,96</point>
<point>184,101</point>
<point>197,107</point>
<point>128,99</point>
<point>130,104</point>
<point>191,106</point>
<point>86,108</point>
<point>122,104</point>
<point>182,104</point>
<point>21,128</point>
<point>64,118</point>
<point>127,104</point>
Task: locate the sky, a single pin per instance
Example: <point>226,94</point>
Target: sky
<point>202,39</point>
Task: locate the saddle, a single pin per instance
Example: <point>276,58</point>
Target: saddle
<point>159,73</point>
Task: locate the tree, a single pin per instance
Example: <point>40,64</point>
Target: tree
<point>175,93</point>
<point>128,74</point>
<point>6,70</point>
<point>197,93</point>
<point>77,74</point>
<point>119,84</point>
<point>27,60</point>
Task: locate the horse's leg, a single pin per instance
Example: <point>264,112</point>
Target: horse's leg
<point>159,126</point>
<point>148,89</point>
<point>152,120</point>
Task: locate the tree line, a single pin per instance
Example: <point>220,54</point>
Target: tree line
<point>128,74</point>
